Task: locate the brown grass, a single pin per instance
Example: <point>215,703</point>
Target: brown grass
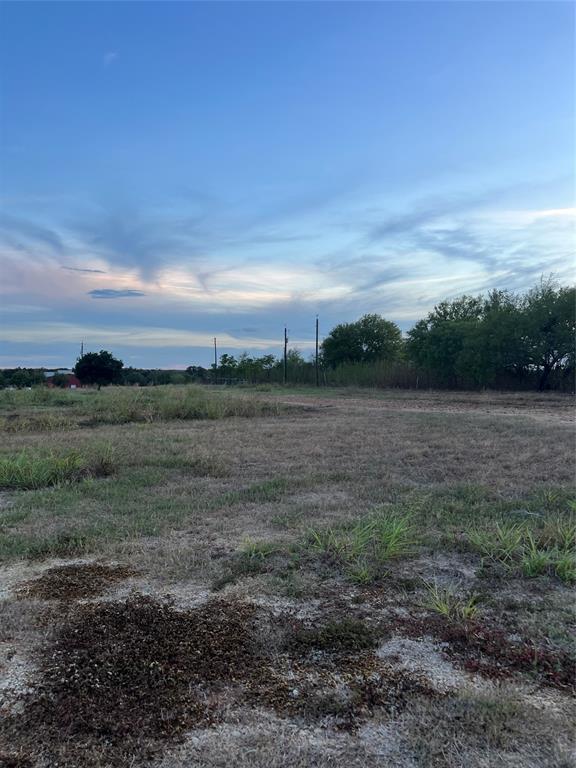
<point>230,502</point>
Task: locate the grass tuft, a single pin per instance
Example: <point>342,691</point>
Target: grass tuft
<point>26,471</point>
<point>448,604</point>
<point>532,549</point>
<point>364,547</point>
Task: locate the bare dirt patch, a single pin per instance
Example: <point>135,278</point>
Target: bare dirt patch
<point>424,657</point>
<point>123,679</point>
<point>118,678</point>
<point>490,652</point>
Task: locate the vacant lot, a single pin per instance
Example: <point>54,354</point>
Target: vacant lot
<point>286,578</point>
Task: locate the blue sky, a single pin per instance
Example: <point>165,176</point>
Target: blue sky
<point>175,171</point>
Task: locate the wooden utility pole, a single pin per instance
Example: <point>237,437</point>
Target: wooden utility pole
<point>82,349</point>
<point>316,357</point>
<point>285,355</point>
<point>215,362</point>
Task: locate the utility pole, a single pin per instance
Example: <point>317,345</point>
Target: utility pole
<point>82,349</point>
<point>285,354</point>
<point>215,361</point>
<point>316,357</point>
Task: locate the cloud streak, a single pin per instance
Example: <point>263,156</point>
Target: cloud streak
<point>111,293</point>
<point>109,58</point>
<point>194,281</point>
<point>24,235</point>
<point>86,271</point>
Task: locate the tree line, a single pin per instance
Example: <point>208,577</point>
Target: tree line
<point>501,340</point>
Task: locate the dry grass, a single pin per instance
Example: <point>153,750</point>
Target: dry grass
<point>229,502</point>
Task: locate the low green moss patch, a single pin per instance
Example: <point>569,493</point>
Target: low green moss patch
<point>345,635</point>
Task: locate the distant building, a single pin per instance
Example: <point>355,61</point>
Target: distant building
<point>72,382</point>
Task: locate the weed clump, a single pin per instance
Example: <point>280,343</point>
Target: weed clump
<point>364,548</point>
<point>250,561</point>
<point>517,547</point>
<point>28,471</point>
<point>448,604</point>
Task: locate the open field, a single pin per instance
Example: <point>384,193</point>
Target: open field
<point>286,578</point>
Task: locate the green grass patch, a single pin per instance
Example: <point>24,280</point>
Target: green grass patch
<point>448,604</point>
<point>531,548</point>
<point>345,635</point>
<point>43,410</point>
<point>28,470</point>
<point>363,548</point>
<point>126,406</point>
<point>43,421</point>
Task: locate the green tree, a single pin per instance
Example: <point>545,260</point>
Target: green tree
<point>23,377</point>
<point>197,373</point>
<point>295,358</point>
<point>255,368</point>
<point>368,339</point>
<point>482,341</point>
<point>492,345</point>
<point>134,376</point>
<point>100,368</point>
<point>548,328</point>
<point>228,365</point>
<point>467,341</point>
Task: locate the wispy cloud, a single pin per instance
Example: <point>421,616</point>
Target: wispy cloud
<point>81,269</point>
<point>109,58</point>
<point>130,238</point>
<point>196,279</point>
<point>111,293</point>
<point>24,235</point>
<point>135,336</point>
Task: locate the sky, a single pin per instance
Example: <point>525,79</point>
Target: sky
<point>175,171</point>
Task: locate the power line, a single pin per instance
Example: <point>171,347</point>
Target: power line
<point>285,355</point>
<point>316,356</point>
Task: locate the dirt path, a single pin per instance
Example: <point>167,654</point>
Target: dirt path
<point>555,410</point>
